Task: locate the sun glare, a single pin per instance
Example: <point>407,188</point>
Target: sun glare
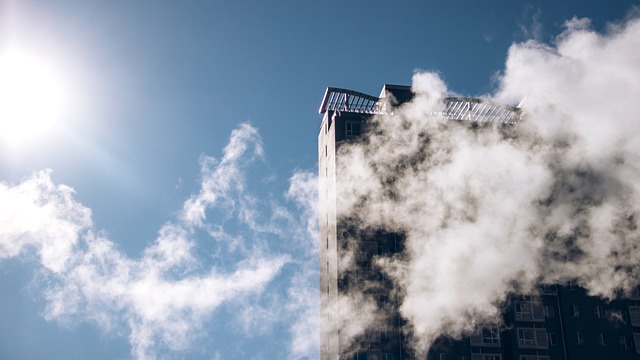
<point>33,97</point>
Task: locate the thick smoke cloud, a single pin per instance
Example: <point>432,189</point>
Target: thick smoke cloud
<point>164,298</point>
<point>488,209</point>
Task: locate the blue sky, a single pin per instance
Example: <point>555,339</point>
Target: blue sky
<point>188,136</point>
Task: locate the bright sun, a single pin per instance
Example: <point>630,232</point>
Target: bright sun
<point>33,97</point>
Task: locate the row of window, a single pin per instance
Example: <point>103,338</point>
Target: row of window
<point>536,311</point>
<point>442,356</point>
<point>530,338</point>
<point>372,354</point>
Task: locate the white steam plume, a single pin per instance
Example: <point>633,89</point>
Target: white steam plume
<point>492,209</point>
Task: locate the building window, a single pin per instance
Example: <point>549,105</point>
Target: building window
<point>549,311</point>
<point>526,338</point>
<point>360,355</point>
<point>523,310</point>
<point>575,310</point>
<point>386,356</point>
<point>486,357</point>
<point>598,311</point>
<point>622,341</point>
<point>487,336</point>
<point>530,338</point>
<point>353,129</point>
<point>529,311</point>
<point>602,339</point>
<point>634,315</point>
<point>442,356</point>
<point>636,340</point>
<point>491,335</point>
<point>549,289</point>
<point>579,338</point>
<point>553,339</point>
<point>492,357</point>
<point>383,332</point>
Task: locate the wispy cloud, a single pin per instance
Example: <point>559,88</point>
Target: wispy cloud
<point>167,294</point>
<point>529,24</point>
<point>218,179</point>
<point>489,209</point>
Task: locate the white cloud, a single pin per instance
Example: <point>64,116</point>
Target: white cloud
<point>166,296</point>
<point>41,215</point>
<point>220,178</point>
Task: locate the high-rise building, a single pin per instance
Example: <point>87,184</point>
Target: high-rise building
<point>561,323</point>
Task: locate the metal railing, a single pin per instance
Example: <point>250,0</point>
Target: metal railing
<point>453,108</point>
<point>336,99</point>
<point>478,110</point>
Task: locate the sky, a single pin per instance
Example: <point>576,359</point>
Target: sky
<point>158,160</point>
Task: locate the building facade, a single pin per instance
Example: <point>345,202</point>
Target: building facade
<point>561,323</point>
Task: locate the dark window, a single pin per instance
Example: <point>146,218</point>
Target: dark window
<point>490,335</point>
<point>383,332</point>
<point>487,336</point>
<point>529,338</point>
<point>353,129</point>
<point>575,310</point>
<point>634,315</point>
<point>602,339</point>
<point>526,338</point>
<point>523,310</point>
<point>636,340</point>
<point>485,357</point>
<point>622,341</point>
<point>360,356</point>
<point>529,311</point>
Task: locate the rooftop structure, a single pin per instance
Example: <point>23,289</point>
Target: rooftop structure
<point>453,108</point>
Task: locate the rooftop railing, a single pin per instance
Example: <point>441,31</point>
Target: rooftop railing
<point>453,108</point>
<point>336,99</point>
<point>478,110</point>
